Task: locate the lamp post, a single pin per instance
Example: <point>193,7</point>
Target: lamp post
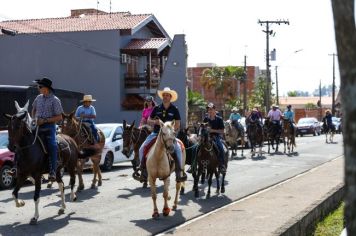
<point>333,88</point>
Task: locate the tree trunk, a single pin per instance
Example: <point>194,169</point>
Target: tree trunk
<point>345,34</point>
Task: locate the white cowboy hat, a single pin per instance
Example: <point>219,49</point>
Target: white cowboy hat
<point>88,98</point>
<point>169,91</point>
<point>234,109</point>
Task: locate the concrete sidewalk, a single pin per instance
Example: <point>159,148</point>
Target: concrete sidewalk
<point>289,208</point>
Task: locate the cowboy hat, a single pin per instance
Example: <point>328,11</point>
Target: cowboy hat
<point>274,105</point>
<point>234,109</point>
<point>45,82</point>
<point>169,91</point>
<point>210,105</point>
<point>88,98</point>
<point>328,110</point>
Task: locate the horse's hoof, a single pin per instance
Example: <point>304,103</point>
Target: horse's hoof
<point>100,183</point>
<point>61,211</point>
<point>174,208</point>
<point>208,195</point>
<point>92,186</point>
<point>20,203</point>
<point>182,191</point>
<point>222,190</point>
<point>80,188</point>
<point>144,185</point>
<point>169,198</point>
<point>166,211</point>
<point>155,215</point>
<point>196,195</point>
<point>217,191</point>
<point>74,199</point>
<point>33,221</point>
<point>49,185</point>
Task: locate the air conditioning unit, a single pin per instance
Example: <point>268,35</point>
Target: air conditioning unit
<point>124,58</point>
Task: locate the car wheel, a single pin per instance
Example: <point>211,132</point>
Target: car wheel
<point>315,133</point>
<point>6,180</point>
<point>108,162</point>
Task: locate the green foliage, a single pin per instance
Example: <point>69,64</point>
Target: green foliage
<point>333,224</point>
<point>236,102</point>
<point>292,93</point>
<point>196,99</point>
<point>310,105</point>
<point>298,93</point>
<point>258,95</point>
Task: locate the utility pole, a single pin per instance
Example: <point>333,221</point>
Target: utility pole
<point>277,96</point>
<point>320,106</point>
<point>268,33</point>
<point>333,88</point>
<point>245,85</point>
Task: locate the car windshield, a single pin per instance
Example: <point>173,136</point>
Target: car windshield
<point>336,119</point>
<point>305,121</point>
<point>4,140</point>
<point>106,130</point>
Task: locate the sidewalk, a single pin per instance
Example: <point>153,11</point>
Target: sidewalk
<point>289,208</point>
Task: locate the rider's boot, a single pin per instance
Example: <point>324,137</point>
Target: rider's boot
<point>12,172</point>
<point>180,174</point>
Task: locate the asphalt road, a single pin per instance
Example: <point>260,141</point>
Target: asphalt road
<point>122,207</point>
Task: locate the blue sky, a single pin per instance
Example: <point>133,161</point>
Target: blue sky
<point>222,32</point>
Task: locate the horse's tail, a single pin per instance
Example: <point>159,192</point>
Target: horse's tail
<point>293,141</point>
<point>87,152</point>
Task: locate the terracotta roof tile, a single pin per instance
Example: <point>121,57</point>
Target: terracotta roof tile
<point>91,22</point>
<point>142,44</point>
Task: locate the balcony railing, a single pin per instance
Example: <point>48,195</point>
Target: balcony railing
<point>139,83</point>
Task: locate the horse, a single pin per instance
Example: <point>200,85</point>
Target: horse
<point>288,135</point>
<point>33,160</point>
<point>158,166</point>
<point>132,140</point>
<point>232,135</point>
<point>207,162</point>
<point>273,134</point>
<point>255,136</point>
<point>82,136</point>
<point>329,131</point>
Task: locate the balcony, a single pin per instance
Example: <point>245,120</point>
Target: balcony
<point>140,83</point>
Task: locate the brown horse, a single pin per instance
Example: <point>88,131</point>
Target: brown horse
<point>158,166</point>
<point>132,140</point>
<point>33,160</point>
<point>273,133</point>
<point>82,136</point>
<point>232,135</point>
<point>255,136</point>
<point>288,135</point>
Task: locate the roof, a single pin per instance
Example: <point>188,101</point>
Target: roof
<point>123,21</point>
<point>155,44</point>
<point>301,101</point>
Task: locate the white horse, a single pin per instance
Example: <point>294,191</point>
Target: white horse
<point>158,166</point>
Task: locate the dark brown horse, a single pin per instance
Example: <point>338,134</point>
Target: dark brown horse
<point>82,136</point>
<point>288,135</point>
<point>255,136</point>
<point>132,140</point>
<point>207,162</point>
<point>273,131</point>
<point>33,160</point>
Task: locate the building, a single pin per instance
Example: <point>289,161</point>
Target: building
<point>119,58</point>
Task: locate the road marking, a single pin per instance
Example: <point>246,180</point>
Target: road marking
<point>245,198</point>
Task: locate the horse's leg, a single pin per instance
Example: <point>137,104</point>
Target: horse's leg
<point>178,188</point>
<point>242,145</point>
<point>166,197</point>
<point>182,188</point>
<point>217,181</point>
<point>223,183</point>
<point>196,175</point>
<point>36,198</point>
<point>154,196</point>
<point>95,171</point>
<point>61,188</point>
<point>80,166</point>
<point>210,180</point>
<point>19,182</point>
<point>100,179</point>
<point>73,196</point>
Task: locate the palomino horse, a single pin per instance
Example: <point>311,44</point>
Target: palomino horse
<point>255,136</point>
<point>329,131</point>
<point>33,160</point>
<point>81,134</point>
<point>288,135</point>
<point>207,162</point>
<point>158,166</point>
<point>273,133</point>
<point>232,135</point>
<point>132,140</point>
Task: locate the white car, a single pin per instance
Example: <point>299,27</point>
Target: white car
<point>113,145</point>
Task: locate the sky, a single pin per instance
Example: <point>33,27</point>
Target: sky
<point>224,31</point>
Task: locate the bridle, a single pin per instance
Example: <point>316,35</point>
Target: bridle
<point>71,124</point>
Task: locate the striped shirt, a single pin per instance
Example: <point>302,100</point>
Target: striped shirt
<point>47,106</point>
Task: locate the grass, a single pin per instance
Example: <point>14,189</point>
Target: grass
<point>333,224</point>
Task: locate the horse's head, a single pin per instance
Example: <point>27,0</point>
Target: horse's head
<point>17,128</point>
<point>69,123</point>
<point>167,135</point>
<point>127,136</point>
<point>203,132</point>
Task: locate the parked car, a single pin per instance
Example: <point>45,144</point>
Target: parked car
<point>308,125</point>
<point>337,123</point>
<point>6,162</point>
<point>113,145</point>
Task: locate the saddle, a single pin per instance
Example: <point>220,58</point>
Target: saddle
<point>88,132</point>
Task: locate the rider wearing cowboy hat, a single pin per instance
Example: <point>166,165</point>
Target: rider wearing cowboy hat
<point>87,114</point>
<point>165,112</point>
<point>275,116</point>
<point>235,118</point>
<point>289,114</point>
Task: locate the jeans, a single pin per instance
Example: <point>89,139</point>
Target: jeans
<point>49,131</point>
<point>93,128</point>
<point>177,148</point>
<point>218,142</point>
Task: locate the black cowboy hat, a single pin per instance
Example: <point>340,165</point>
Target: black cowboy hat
<point>45,82</point>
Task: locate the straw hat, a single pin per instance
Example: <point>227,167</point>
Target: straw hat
<point>173,93</point>
<point>234,109</point>
<point>88,98</point>
<point>328,111</point>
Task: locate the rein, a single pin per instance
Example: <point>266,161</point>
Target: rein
<point>34,141</point>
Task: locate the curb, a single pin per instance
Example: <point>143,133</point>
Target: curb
<point>304,223</point>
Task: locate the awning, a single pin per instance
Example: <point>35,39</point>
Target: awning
<point>153,45</point>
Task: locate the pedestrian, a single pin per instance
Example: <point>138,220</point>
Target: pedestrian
<point>149,104</point>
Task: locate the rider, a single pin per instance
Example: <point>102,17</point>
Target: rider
<point>275,116</point>
<point>165,112</point>
<point>216,124</point>
<point>235,118</point>
<point>327,119</point>
<point>289,114</point>
<point>47,111</point>
<point>147,110</point>
<point>87,113</point>
<point>254,116</point>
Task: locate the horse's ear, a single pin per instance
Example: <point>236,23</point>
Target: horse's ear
<point>18,108</point>
<point>186,130</point>
<point>173,123</point>
<point>26,105</point>
<point>71,114</point>
<point>7,116</point>
<point>161,123</point>
<point>133,124</point>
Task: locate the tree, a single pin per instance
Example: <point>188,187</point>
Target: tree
<point>345,34</point>
<point>259,92</point>
<point>292,93</point>
<point>310,105</point>
<point>196,99</point>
